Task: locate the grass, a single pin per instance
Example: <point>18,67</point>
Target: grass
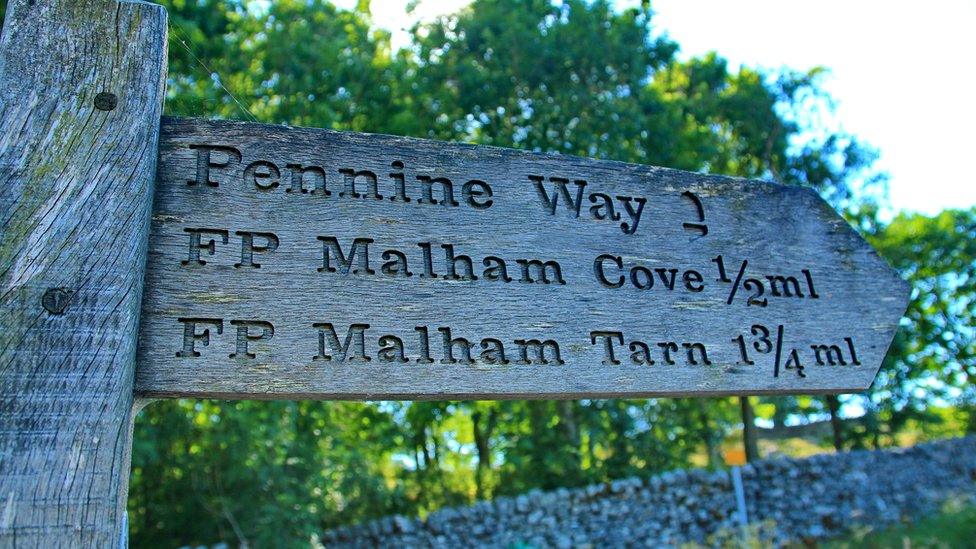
<point>954,527</point>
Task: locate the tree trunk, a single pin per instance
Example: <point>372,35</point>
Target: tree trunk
<point>750,436</point>
<point>482,438</point>
<point>712,448</point>
<point>424,450</point>
<point>780,412</point>
<point>833,404</point>
<point>570,428</point>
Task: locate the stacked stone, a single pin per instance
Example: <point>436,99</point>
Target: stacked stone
<point>786,500</point>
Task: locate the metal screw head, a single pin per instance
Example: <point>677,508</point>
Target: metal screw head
<point>56,300</point>
<point>106,101</point>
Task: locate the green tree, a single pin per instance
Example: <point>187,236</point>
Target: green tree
<point>258,473</point>
<point>270,474</point>
<point>576,77</point>
<point>582,79</point>
<point>933,356</point>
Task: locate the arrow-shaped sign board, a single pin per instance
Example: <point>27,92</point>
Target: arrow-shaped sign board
<point>303,263</point>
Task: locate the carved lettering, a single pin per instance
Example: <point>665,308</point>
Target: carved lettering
<point>641,352</point>
<point>467,267</point>
<point>244,335</point>
<point>191,335</point>
<point>463,271</point>
<point>197,243</point>
<point>330,349</point>
<point>699,227</point>
<point>463,346</point>
<point>391,349</point>
<point>608,355</point>
<point>834,356</point>
<point>538,349</point>
<point>474,190</point>
<point>454,349</point>
<point>427,192</point>
<point>262,174</point>
<point>787,286</point>
<point>206,161</point>
<point>455,266</point>
<point>630,227</point>
<point>608,270</point>
<point>602,208</point>
<point>493,351</point>
<point>267,242</point>
<point>542,270</point>
<point>359,250</point>
<point>551,201</point>
<point>350,176</point>
<point>298,180</point>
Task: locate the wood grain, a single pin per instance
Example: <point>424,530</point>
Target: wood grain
<point>244,189</point>
<point>75,192</point>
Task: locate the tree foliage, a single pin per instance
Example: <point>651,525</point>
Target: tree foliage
<point>576,77</point>
<point>933,356</point>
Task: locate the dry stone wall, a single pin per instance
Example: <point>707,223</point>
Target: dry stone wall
<point>785,499</point>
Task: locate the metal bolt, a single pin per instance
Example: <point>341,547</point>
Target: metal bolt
<point>56,300</point>
<point>106,101</point>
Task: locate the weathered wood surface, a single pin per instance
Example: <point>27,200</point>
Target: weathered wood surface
<point>76,168</point>
<point>231,196</point>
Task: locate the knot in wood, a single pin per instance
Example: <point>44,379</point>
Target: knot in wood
<point>106,101</point>
<point>56,300</point>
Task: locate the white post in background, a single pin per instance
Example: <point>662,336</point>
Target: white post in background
<point>740,500</point>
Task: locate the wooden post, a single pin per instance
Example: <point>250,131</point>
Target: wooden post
<point>81,89</point>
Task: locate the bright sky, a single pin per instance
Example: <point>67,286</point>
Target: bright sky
<point>903,73</point>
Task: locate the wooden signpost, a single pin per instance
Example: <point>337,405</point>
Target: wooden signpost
<point>301,263</point>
